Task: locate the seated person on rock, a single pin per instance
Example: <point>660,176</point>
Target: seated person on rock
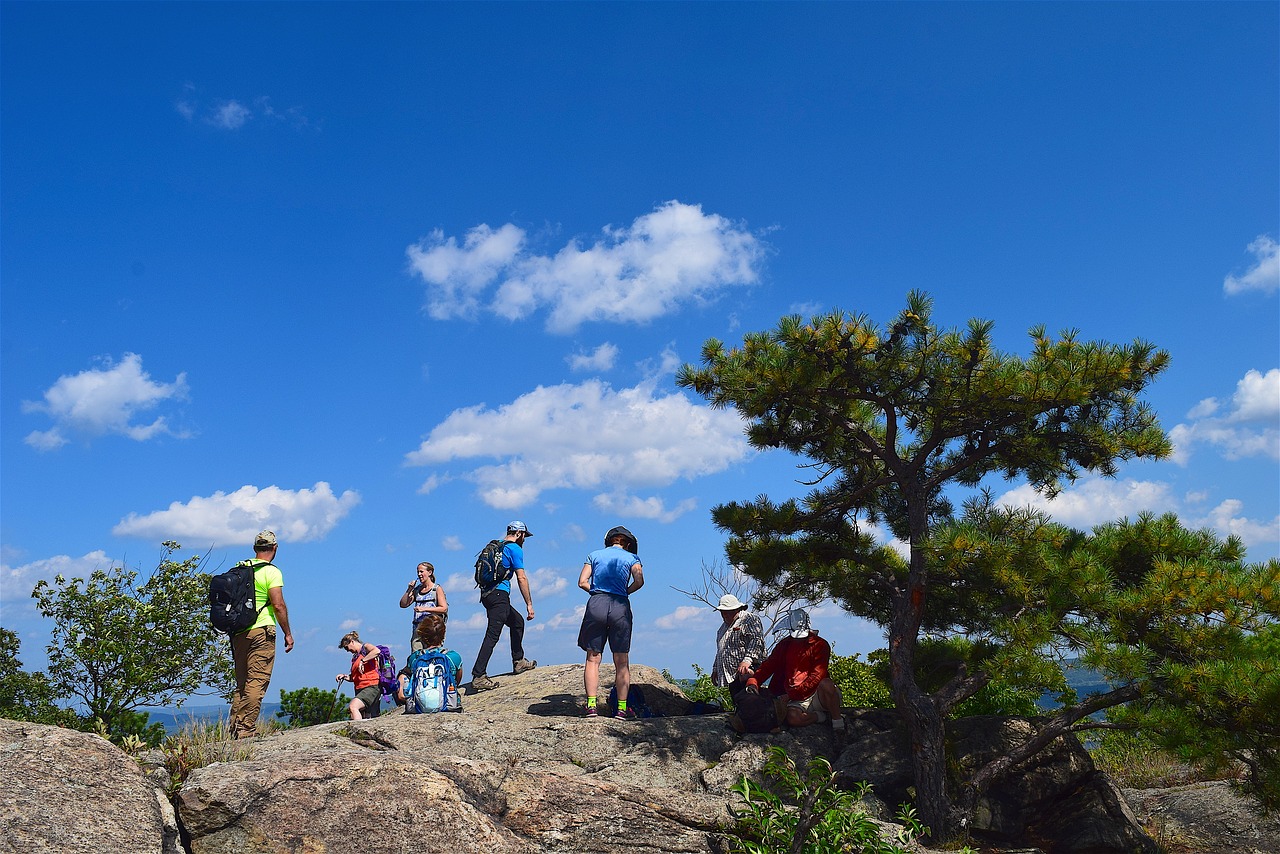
<point>431,631</point>
<point>798,667</point>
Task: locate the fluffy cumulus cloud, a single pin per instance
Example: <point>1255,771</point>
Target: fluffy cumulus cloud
<point>1247,426</point>
<point>688,617</point>
<point>547,582</point>
<point>233,518</point>
<point>601,358</point>
<point>106,400</point>
<point>17,582</point>
<point>1093,501</point>
<point>671,256</point>
<point>1264,275</point>
<point>1227,518</point>
<point>587,436</point>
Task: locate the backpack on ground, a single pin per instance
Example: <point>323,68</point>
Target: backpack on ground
<point>387,679</point>
<point>635,702</point>
<point>431,685</point>
<point>232,598</point>
<point>489,569</point>
<point>757,712</point>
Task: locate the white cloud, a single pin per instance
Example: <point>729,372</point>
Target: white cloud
<point>1264,275</point>
<point>105,401</point>
<point>232,519</point>
<point>571,619</point>
<point>674,255</point>
<point>687,617</point>
<point>430,484</point>
<point>586,436</point>
<point>459,581</point>
<point>631,506</point>
<point>478,620</point>
<point>601,358</point>
<point>17,582</point>
<point>546,582</point>
<point>451,543</point>
<point>1226,519</point>
<point>1251,427</point>
<point>350,625</point>
<point>230,115</point>
<point>1095,500</point>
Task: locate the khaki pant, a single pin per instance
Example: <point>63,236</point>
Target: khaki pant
<point>254,654</point>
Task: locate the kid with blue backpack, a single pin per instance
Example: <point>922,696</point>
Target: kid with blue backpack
<point>430,681</point>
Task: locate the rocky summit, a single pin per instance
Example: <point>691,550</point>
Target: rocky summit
<point>520,770</point>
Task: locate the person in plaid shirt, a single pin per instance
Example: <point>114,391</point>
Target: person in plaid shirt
<point>739,645</point>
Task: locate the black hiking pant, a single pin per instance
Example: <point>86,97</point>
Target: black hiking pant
<point>497,604</point>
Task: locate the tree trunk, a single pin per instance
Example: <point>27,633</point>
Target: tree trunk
<point>917,709</point>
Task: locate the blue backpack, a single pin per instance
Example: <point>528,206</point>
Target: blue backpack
<point>431,684</point>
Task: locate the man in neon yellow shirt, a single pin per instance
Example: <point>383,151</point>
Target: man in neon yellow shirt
<point>253,651</point>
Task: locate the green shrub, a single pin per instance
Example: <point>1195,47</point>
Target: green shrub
<point>860,685</point>
<point>808,814</point>
<point>311,706</point>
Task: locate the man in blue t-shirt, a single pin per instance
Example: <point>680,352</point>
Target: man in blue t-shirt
<point>497,605</point>
<point>610,575</point>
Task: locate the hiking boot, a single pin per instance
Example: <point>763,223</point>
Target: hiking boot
<point>524,665</point>
<point>590,712</point>
<point>627,714</point>
<point>482,683</point>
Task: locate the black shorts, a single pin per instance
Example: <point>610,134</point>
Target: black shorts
<point>608,618</point>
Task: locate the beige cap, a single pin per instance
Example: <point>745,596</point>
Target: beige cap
<point>265,540</point>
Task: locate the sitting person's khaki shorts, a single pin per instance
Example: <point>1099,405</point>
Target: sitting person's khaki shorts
<point>812,705</point>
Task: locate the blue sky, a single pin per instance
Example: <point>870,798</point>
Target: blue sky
<point>384,277</point>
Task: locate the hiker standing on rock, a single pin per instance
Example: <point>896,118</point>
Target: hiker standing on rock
<point>253,651</point>
<point>426,597</point>
<point>363,677</point>
<point>610,575</point>
<point>497,605</point>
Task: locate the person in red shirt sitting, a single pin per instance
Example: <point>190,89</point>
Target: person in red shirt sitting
<point>798,667</point>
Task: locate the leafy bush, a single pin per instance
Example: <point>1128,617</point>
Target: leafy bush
<point>28,696</point>
<point>824,820</point>
<point>861,687</point>
<point>311,706</point>
<point>703,690</point>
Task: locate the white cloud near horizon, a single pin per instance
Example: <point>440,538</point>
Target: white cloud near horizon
<point>1093,501</point>
<point>105,401</point>
<point>571,619</point>
<point>233,519</point>
<point>587,436</point>
<point>1250,425</point>
<point>686,617</point>
<point>1264,275</point>
<point>17,582</point>
<point>669,257</point>
<point>600,359</point>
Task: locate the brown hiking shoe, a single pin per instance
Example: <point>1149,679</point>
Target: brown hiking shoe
<point>482,683</point>
<point>524,665</point>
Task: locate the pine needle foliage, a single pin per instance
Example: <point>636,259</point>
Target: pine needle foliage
<point>885,420</point>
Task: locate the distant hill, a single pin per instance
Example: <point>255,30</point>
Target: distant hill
<point>175,719</point>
